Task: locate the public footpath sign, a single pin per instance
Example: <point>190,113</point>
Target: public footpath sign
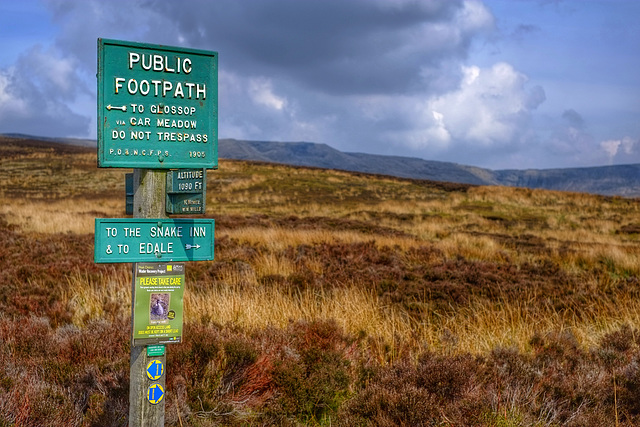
<point>153,240</point>
<point>157,106</point>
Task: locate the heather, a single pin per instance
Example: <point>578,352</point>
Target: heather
<point>335,299</point>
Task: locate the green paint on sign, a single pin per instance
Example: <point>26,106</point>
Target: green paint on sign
<point>186,181</point>
<point>186,191</point>
<point>157,106</point>
<point>185,204</point>
<point>153,240</point>
<point>155,350</point>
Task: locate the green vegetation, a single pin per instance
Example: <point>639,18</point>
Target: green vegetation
<point>335,299</point>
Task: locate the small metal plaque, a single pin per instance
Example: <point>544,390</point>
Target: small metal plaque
<point>185,204</point>
<point>186,191</point>
<point>155,350</point>
<point>186,181</point>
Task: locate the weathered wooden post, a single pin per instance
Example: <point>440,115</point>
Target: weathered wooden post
<point>157,114</point>
<point>148,202</point>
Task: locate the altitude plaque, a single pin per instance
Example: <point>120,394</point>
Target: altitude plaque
<point>186,190</point>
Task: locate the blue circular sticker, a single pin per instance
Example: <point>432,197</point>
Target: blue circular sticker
<point>155,369</point>
<point>155,394</point>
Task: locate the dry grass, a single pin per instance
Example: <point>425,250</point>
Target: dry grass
<point>239,301</point>
<point>323,276</point>
<point>577,231</point>
<point>91,299</point>
<point>279,238</point>
<point>57,216</point>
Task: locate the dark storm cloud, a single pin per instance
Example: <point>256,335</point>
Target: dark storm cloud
<point>523,31</point>
<point>535,97</point>
<point>318,59</point>
<point>81,23</point>
<point>335,46</point>
<point>573,118</point>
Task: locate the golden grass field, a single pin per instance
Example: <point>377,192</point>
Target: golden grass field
<point>402,268</point>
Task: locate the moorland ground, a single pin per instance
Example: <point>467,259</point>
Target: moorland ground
<point>335,298</point>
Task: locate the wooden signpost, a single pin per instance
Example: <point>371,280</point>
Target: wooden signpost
<point>157,114</point>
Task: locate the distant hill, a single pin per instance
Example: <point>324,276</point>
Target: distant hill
<point>90,143</point>
<point>619,180</point>
<point>323,156</point>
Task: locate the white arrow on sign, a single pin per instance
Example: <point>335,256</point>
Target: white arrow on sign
<point>113,107</point>
<point>188,246</point>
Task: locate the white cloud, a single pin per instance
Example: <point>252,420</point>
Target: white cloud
<point>489,107</point>
<point>261,92</point>
<point>439,132</point>
<point>610,147</point>
<point>619,148</point>
<point>10,106</point>
<point>628,145</point>
<point>52,72</point>
<point>433,135</point>
<point>474,17</point>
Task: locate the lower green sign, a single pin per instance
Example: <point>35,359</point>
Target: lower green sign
<point>155,350</point>
<point>185,204</point>
<point>153,240</point>
<point>158,303</point>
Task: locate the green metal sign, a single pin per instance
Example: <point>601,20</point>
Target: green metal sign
<point>153,240</point>
<point>155,350</point>
<point>157,106</point>
<point>186,190</point>
<point>185,204</point>
<point>186,181</point>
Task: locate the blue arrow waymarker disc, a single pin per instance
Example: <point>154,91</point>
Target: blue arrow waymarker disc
<point>155,369</point>
<point>155,393</point>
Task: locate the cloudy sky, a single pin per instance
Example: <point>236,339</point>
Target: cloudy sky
<point>494,83</point>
